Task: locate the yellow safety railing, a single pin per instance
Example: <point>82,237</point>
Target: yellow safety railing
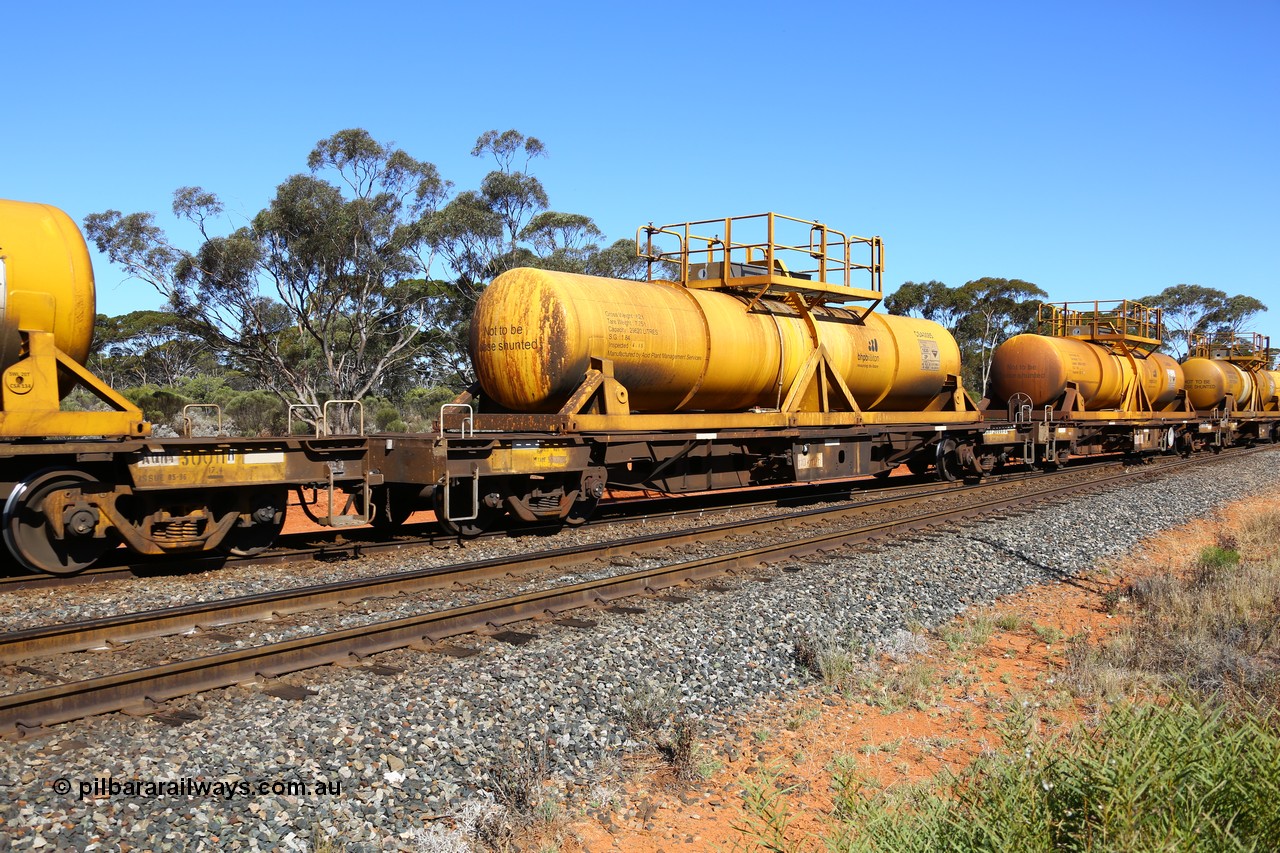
<point>1104,321</point>
<point>766,250</point>
<point>1252,351</point>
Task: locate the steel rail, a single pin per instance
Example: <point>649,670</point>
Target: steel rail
<point>626,511</point>
<point>149,686</point>
<point>128,627</point>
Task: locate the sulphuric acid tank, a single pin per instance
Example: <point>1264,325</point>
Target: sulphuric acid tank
<point>1210,380</point>
<point>1041,366</point>
<point>1268,382</point>
<point>677,349</point>
<point>43,254</point>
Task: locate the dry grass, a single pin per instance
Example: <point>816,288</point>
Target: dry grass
<point>1180,756</point>
<point>1212,631</point>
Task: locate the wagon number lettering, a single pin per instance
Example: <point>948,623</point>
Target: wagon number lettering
<point>188,460</point>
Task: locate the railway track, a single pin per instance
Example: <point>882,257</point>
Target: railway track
<point>354,543</point>
<point>148,686</point>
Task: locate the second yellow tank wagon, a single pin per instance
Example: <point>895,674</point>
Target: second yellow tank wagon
<point>751,354</point>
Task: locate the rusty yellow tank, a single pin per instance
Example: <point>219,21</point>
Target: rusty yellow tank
<point>1268,382</point>
<point>44,270</point>
<point>678,350</point>
<point>1210,380</point>
<point>1041,366</point>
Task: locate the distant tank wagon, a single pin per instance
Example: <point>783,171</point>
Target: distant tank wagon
<point>1094,373</point>
<point>1232,375</point>
<point>1044,368</point>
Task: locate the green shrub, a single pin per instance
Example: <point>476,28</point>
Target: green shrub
<point>384,415</point>
<point>159,405</point>
<point>1215,564</point>
<point>256,413</point>
<point>1214,634</point>
<point>1176,777</point>
<point>425,402</point>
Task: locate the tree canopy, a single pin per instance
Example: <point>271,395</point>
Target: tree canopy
<point>1192,309</point>
<point>357,277</point>
<point>980,314</point>
<point>148,348</point>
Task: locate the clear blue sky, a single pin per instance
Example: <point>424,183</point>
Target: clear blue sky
<point>1100,150</point>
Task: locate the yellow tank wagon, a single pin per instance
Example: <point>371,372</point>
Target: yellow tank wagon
<point>750,354</point>
<point>1232,375</point>
<point>47,310</point>
<point>676,349</point>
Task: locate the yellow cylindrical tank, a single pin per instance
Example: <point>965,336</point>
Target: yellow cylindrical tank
<point>1162,378</point>
<point>1268,382</point>
<point>1041,366</point>
<point>1210,380</point>
<point>677,349</point>
<point>43,252</point>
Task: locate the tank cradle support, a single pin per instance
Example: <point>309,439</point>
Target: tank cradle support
<point>599,392</point>
<point>46,330</point>
<point>31,395</point>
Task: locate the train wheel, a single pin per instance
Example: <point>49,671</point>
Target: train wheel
<point>592,489</point>
<point>919,465</point>
<point>581,511</point>
<point>1184,444</point>
<point>267,516</point>
<point>32,540</point>
<point>391,508</point>
<point>948,461</point>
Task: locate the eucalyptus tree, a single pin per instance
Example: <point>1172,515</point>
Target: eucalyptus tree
<point>324,292</point>
<point>1193,309</point>
<point>360,274</point>
<point>931,300</point>
<point>148,348</point>
<point>981,314</point>
<point>478,233</point>
<point>998,309</point>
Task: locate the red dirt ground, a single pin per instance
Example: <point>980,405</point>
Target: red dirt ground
<point>800,740</point>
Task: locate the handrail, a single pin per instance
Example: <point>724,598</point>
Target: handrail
<point>1103,321</point>
<point>467,427</point>
<point>359,406</point>
<point>188,423</point>
<point>825,257</point>
<point>1252,350</point>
